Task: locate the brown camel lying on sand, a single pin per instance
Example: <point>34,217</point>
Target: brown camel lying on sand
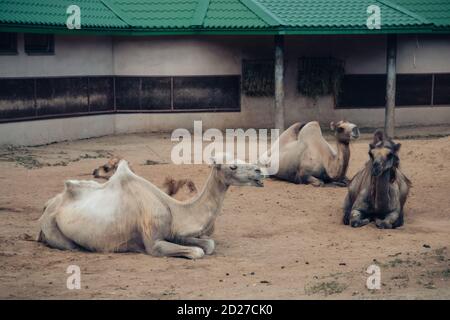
<point>181,189</point>
<point>378,191</point>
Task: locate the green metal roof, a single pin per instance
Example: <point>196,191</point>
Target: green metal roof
<point>94,13</point>
<point>142,17</point>
<point>335,14</point>
<point>436,11</point>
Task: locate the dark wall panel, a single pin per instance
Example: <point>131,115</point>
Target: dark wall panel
<point>127,93</point>
<point>16,98</point>
<point>155,93</point>
<point>441,89</point>
<point>206,92</point>
<point>362,91</point>
<point>258,78</point>
<point>63,96</point>
<point>56,96</point>
<point>101,94</point>
<point>413,89</point>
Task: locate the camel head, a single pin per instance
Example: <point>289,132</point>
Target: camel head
<point>238,173</point>
<point>345,131</point>
<point>107,170</point>
<point>383,153</point>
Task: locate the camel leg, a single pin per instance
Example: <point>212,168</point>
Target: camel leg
<point>392,220</point>
<point>209,231</point>
<point>347,209</point>
<point>208,245</point>
<point>314,181</point>
<point>357,219</point>
<point>169,249</point>
<point>341,183</point>
<point>51,235</point>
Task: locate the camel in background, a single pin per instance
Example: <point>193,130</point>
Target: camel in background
<point>378,191</point>
<point>306,157</point>
<point>181,189</point>
<point>128,213</point>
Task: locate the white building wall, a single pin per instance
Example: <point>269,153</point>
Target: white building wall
<point>213,55</point>
<point>74,56</point>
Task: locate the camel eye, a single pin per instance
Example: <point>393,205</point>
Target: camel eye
<point>233,167</point>
<point>340,129</point>
<point>106,168</point>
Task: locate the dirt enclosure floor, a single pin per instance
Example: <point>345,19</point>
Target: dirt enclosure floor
<point>281,241</point>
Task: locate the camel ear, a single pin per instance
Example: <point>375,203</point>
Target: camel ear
<point>397,147</point>
<point>332,125</point>
<point>377,137</point>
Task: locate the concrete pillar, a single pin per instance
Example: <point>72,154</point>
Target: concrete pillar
<point>279,83</point>
<point>389,117</point>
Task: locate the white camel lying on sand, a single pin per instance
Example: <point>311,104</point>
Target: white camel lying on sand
<point>128,213</point>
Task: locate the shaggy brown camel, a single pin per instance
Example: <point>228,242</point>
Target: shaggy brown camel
<point>378,191</point>
<point>306,157</point>
<point>171,186</point>
<point>128,213</point>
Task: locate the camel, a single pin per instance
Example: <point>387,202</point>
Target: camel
<point>378,191</point>
<point>108,169</point>
<point>306,157</point>
<point>129,213</point>
<point>171,186</point>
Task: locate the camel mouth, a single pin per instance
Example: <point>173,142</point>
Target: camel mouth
<point>376,172</point>
<point>258,182</point>
<point>355,133</point>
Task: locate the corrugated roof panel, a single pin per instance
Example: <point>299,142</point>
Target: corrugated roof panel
<point>436,11</point>
<point>53,13</point>
<point>231,14</point>
<point>335,14</point>
<point>157,13</point>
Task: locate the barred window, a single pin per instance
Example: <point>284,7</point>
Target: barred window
<point>37,44</point>
<point>8,43</point>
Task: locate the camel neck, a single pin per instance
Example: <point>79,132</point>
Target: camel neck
<point>193,218</point>
<point>339,164</point>
<point>380,190</point>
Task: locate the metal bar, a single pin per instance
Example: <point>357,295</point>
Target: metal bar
<point>88,100</point>
<point>35,97</point>
<point>432,89</point>
<point>171,93</point>
<point>114,93</point>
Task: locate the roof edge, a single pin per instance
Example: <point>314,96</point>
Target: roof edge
<point>267,16</point>
<point>200,13</point>
<point>202,31</point>
<point>405,11</point>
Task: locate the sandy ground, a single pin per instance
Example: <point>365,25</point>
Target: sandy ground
<point>281,241</point>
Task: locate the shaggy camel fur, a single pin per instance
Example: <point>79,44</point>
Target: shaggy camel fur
<point>379,191</point>
<point>306,157</point>
<point>171,186</point>
<point>128,213</point>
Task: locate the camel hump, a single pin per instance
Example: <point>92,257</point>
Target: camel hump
<point>296,127</point>
<point>75,187</point>
<point>311,129</point>
<point>123,171</point>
